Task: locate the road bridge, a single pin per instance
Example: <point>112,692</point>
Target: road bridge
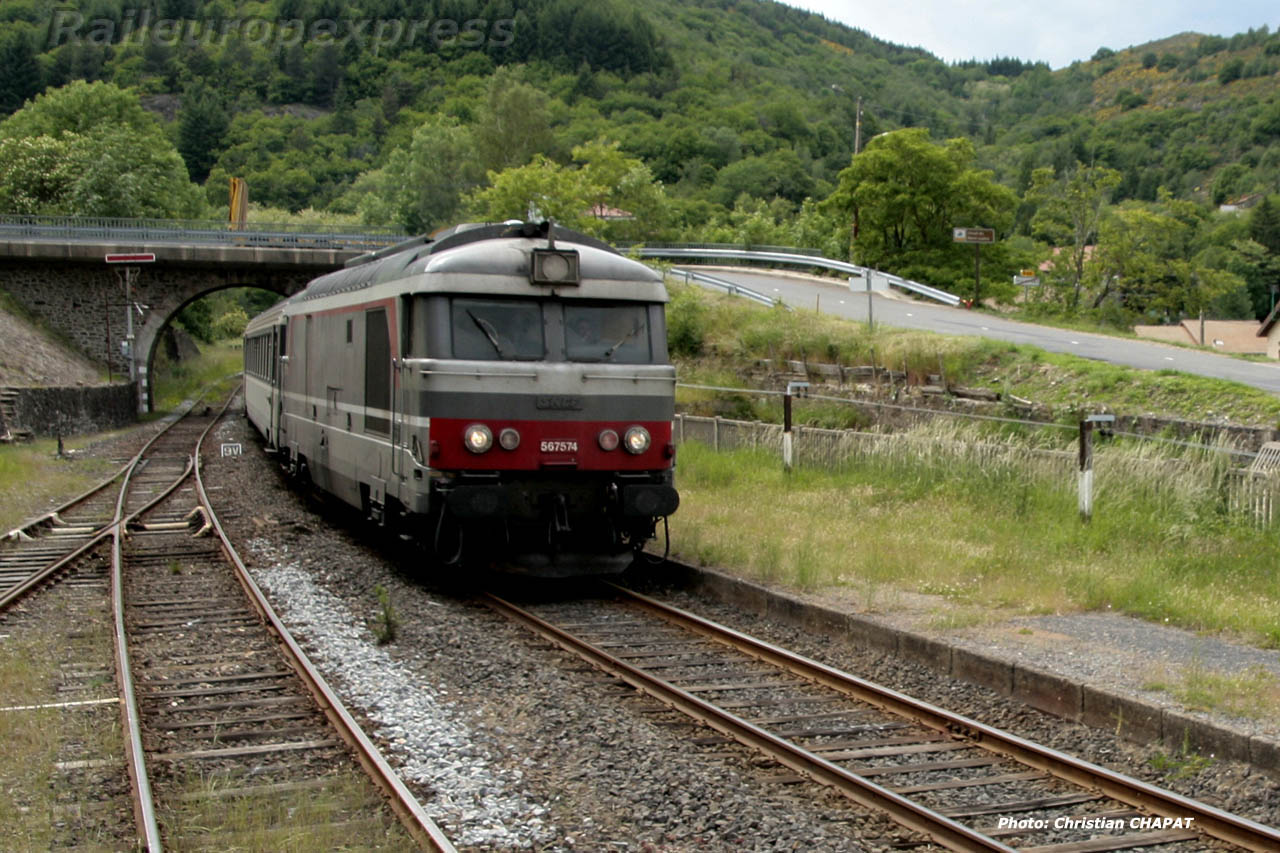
<point>56,268</point>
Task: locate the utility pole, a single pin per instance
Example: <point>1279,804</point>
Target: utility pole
<point>857,128</point>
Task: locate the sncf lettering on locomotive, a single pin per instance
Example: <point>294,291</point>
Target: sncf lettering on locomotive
<point>559,402</point>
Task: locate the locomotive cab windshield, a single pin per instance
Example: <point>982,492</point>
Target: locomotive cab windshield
<point>495,329</point>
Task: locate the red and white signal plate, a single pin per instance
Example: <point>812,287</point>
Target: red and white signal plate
<point>131,258</point>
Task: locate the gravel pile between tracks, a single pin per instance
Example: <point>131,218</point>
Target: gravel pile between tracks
<point>437,748</point>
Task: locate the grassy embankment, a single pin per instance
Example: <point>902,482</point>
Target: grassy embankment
<point>935,517</point>
<point>712,337</point>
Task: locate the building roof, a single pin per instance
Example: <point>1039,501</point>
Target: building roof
<point>603,211</point>
<point>1046,266</point>
<point>1235,336</point>
<point>1265,329</point>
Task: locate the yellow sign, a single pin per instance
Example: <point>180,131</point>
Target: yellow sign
<point>239,204</point>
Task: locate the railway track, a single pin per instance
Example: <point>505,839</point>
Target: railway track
<point>961,784</point>
<point>231,740</point>
<point>70,632</point>
<point>245,745</point>
<point>48,548</point>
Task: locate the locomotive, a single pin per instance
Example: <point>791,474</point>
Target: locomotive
<point>501,393</point>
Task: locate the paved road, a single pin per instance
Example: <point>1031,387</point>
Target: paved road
<point>832,298</point>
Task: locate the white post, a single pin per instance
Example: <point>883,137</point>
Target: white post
<point>787,446</point>
<point>1086,462</point>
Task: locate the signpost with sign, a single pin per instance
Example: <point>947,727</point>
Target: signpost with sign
<point>126,267</point>
<point>976,236</point>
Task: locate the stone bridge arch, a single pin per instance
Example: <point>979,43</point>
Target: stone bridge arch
<point>162,294</point>
<point>73,289</point>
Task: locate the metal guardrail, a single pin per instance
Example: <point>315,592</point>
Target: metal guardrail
<point>792,256</point>
<point>792,250</point>
<point>727,286</point>
<point>190,231</point>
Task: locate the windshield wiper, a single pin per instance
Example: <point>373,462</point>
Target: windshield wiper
<point>489,332</point>
<point>608,354</point>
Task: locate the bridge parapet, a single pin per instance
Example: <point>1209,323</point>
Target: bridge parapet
<point>94,229</point>
<point>191,254</point>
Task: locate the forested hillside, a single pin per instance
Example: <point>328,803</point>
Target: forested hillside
<point>722,120</point>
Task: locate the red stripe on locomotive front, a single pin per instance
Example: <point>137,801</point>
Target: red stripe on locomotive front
<point>449,452</point>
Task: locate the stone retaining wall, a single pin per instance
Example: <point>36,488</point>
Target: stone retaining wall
<point>74,411</point>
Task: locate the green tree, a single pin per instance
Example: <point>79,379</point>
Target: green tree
<point>202,130</point>
<point>101,155</point>
<point>421,186</point>
<point>778,174</point>
<point>514,124</point>
<point>541,190</point>
<point>36,174</point>
<point>1261,259</point>
<point>1146,260</point>
<point>230,325</point>
<point>1069,210</point>
<point>80,107</point>
<point>627,185</point>
<point>20,76</point>
<point>1264,225</point>
<point>903,194</point>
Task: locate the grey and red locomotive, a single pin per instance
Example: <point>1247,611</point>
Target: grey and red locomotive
<point>502,393</point>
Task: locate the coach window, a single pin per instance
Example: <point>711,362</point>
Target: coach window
<point>489,329</point>
<point>613,332</point>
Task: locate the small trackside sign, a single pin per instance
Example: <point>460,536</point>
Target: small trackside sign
<point>131,258</point>
<point>973,235</point>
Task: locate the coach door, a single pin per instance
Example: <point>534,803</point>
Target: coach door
<point>377,373</point>
<point>399,391</point>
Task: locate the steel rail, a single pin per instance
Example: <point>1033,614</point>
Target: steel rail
<point>406,806</point>
<point>161,232</point>
<point>1134,792</point>
<point>16,593</point>
<point>942,829</point>
<point>144,809</point>
<point>131,717</point>
<point>790,257</point>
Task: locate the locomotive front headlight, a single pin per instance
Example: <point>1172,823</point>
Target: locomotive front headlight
<point>477,438</point>
<point>636,440</point>
<point>608,439</point>
<point>509,439</point>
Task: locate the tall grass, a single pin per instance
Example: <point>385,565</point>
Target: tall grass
<point>989,524</point>
<point>33,480</point>
<point>215,366</point>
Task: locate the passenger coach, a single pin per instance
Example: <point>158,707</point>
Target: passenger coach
<point>501,392</point>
